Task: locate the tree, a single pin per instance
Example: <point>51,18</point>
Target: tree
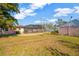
<point>51,27</point>
<point>7,21</point>
<point>60,22</point>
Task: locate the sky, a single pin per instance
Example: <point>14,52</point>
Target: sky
<point>35,13</point>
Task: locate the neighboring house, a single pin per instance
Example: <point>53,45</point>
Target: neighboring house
<point>33,28</point>
<point>7,31</point>
<point>71,28</point>
<point>25,29</point>
<point>20,29</point>
<point>30,29</point>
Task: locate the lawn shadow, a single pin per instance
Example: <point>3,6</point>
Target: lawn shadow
<point>70,44</point>
<point>56,52</point>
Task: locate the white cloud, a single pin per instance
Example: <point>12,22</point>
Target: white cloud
<point>66,11</point>
<point>32,14</point>
<point>63,12</point>
<point>45,21</point>
<point>37,22</point>
<point>31,11</point>
<point>76,9</point>
<point>24,13</point>
<point>37,5</point>
<point>52,20</point>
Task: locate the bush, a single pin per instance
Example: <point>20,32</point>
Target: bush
<point>17,32</point>
<point>54,32</point>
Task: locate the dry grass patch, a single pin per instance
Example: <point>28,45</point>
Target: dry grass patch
<point>37,45</point>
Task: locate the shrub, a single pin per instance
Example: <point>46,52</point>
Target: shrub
<point>17,32</point>
<point>54,32</point>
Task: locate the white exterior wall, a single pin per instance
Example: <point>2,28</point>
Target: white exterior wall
<point>21,30</point>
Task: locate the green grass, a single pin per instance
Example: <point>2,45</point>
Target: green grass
<point>39,45</point>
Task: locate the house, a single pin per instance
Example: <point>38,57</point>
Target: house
<point>10,31</point>
<point>30,29</point>
<point>33,28</point>
<point>20,29</point>
<point>70,29</point>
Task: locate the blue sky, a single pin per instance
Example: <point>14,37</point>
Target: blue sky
<point>33,13</point>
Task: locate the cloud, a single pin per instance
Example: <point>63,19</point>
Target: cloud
<point>63,12</point>
<point>66,11</point>
<point>52,20</point>
<point>37,22</point>
<point>31,11</point>
<point>24,13</point>
<point>32,14</point>
<point>45,21</point>
<point>76,9</point>
<point>33,6</point>
<point>38,5</point>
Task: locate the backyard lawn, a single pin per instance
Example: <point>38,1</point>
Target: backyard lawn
<point>39,45</point>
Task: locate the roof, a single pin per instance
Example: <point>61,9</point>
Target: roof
<point>34,26</point>
<point>20,26</point>
<point>73,23</point>
<point>31,26</point>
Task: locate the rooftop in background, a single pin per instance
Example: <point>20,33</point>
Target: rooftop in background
<point>32,26</point>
